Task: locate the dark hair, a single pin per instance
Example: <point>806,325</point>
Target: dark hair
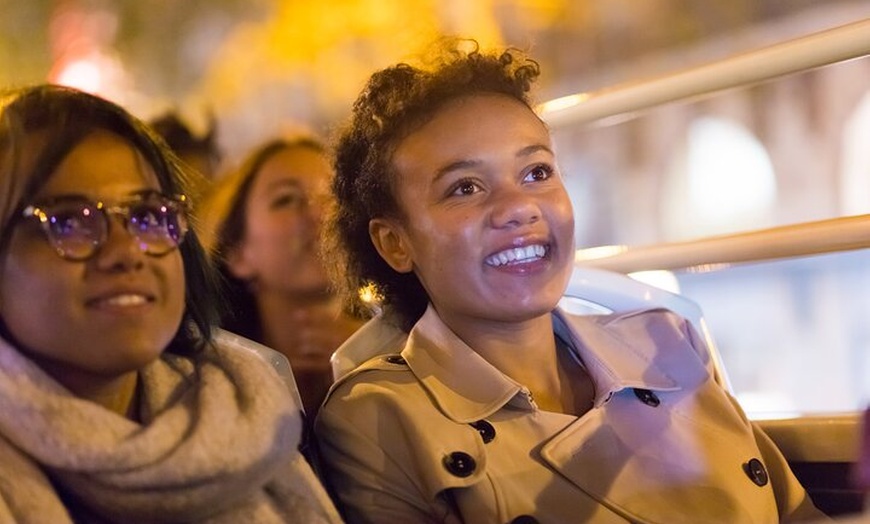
<point>182,140</point>
<point>226,209</point>
<point>53,120</point>
<point>395,102</point>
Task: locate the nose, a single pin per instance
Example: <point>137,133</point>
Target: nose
<point>315,208</point>
<point>121,251</point>
<point>513,207</point>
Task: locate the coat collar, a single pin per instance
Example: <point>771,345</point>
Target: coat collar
<point>466,388</point>
<point>463,384</point>
<point>616,356</point>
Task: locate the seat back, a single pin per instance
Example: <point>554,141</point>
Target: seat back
<point>375,337</point>
<point>590,291</point>
<point>276,359</point>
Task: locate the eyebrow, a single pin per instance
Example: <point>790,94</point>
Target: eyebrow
<point>468,164</point>
<point>284,182</point>
<point>132,195</point>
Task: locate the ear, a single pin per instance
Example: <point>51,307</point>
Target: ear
<point>238,264</point>
<point>388,237</point>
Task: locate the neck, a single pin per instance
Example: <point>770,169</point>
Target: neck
<point>116,394</point>
<point>524,351</point>
<point>527,353</point>
<point>282,314</point>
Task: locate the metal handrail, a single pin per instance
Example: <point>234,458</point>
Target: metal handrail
<point>809,238</point>
<point>815,50</point>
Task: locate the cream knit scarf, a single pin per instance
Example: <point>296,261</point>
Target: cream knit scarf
<point>218,444</point>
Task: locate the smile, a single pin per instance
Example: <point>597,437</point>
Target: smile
<point>124,300</point>
<point>517,255</point>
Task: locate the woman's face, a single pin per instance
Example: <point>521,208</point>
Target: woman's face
<point>104,316</point>
<point>279,251</point>
<point>488,226</point>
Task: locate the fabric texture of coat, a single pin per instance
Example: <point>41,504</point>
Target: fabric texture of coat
<point>437,434</point>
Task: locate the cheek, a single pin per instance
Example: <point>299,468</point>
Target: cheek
<point>33,301</point>
<point>446,245</point>
<point>176,284</point>
<point>563,212</point>
<point>274,230</point>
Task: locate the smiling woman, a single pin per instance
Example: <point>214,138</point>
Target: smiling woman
<point>120,404</point>
<point>500,406</point>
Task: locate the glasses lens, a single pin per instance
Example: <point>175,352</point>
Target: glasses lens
<point>75,229</point>
<point>159,223</point>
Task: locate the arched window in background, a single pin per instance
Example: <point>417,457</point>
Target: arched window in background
<point>721,182</point>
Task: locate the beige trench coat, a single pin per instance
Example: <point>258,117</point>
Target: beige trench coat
<point>437,434</point>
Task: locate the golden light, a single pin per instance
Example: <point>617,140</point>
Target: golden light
<point>369,294</point>
<point>562,103</point>
<point>81,74</point>
<point>591,253</point>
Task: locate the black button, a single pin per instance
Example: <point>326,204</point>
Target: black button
<point>487,432</point>
<point>459,464</point>
<point>525,519</point>
<point>755,471</point>
<point>647,397</point>
<point>395,359</point>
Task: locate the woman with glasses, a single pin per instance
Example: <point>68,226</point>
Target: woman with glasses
<point>501,407</point>
<point>118,400</point>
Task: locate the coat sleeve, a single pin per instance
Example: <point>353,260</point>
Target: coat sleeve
<point>369,465</point>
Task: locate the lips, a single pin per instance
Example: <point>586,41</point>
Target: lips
<point>517,255</point>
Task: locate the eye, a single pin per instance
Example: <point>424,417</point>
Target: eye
<point>66,222</point>
<point>149,216</point>
<point>539,173</point>
<point>464,188</point>
<point>291,199</point>
<point>75,219</point>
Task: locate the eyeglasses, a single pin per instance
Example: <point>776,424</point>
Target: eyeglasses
<point>77,227</point>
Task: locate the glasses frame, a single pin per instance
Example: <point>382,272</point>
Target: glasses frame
<point>178,204</point>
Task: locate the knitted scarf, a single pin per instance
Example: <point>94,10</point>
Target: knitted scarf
<point>218,443</point>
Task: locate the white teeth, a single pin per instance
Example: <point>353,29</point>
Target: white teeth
<point>125,300</point>
<point>516,255</point>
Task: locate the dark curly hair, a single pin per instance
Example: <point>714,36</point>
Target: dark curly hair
<point>396,102</point>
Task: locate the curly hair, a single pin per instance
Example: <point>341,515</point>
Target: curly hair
<point>396,102</point>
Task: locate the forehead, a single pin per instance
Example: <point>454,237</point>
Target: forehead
<point>300,164</point>
<point>471,126</point>
<point>102,166</point>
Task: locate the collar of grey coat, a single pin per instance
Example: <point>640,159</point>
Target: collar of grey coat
<point>642,349</point>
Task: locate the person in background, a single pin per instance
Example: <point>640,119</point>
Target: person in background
<point>501,407</point>
<point>201,153</point>
<point>120,400</point>
<point>264,221</point>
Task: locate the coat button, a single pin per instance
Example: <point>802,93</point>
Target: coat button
<point>395,359</point>
<point>487,432</point>
<point>525,519</point>
<point>755,471</point>
<point>647,397</point>
<point>459,464</point>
